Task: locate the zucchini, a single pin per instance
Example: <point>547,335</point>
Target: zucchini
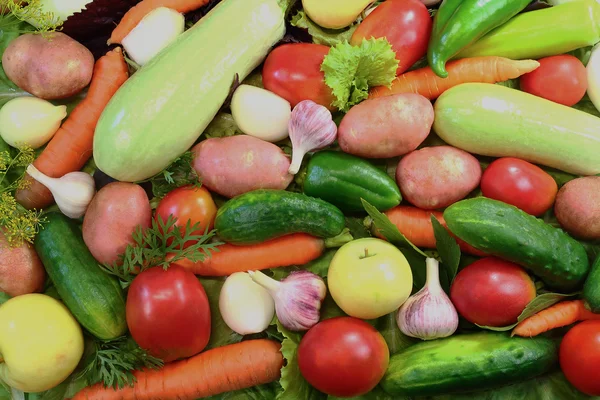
<point>94,297</point>
<point>164,107</point>
<point>265,214</point>
<point>343,179</point>
<point>505,231</point>
<point>493,120</point>
<point>591,289</point>
<point>468,362</point>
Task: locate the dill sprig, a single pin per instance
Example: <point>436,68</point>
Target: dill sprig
<point>31,12</point>
<point>160,245</point>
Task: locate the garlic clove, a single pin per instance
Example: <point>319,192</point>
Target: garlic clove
<point>311,128</point>
<point>72,192</point>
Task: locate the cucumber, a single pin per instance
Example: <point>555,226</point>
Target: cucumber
<point>94,297</point>
<point>468,362</point>
<point>505,231</point>
<point>265,214</point>
<point>591,289</point>
<point>165,106</point>
<point>493,120</point>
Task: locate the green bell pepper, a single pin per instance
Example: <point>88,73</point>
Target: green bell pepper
<point>342,179</point>
<point>459,23</point>
<point>542,33</point>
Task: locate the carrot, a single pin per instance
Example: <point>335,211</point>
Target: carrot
<point>415,224</point>
<point>71,146</point>
<point>425,82</point>
<point>561,314</point>
<point>140,10</point>
<point>222,369</point>
<point>294,249</point>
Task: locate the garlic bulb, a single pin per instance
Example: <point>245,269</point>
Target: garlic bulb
<point>246,307</point>
<point>428,314</point>
<point>72,192</point>
<point>311,128</point>
<point>297,298</point>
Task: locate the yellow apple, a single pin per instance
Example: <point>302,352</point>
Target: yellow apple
<point>41,343</point>
<point>334,14</point>
<point>369,278</point>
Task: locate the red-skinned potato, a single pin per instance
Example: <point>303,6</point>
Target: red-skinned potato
<point>386,127</point>
<point>435,177</point>
<point>577,207</point>
<point>234,165</point>
<point>112,217</point>
<point>52,66</point>
<point>21,270</point>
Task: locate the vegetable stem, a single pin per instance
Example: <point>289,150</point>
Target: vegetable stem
<point>433,273</point>
<point>268,283</point>
<point>339,240</point>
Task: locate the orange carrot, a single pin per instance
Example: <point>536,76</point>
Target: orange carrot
<point>294,249</point>
<point>71,146</point>
<point>415,224</point>
<point>561,314</point>
<point>223,369</point>
<point>139,11</point>
<point>425,82</point>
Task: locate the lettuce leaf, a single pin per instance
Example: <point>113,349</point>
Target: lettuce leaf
<point>320,35</point>
<point>587,106</point>
<point>222,125</point>
<point>220,333</point>
<point>351,70</point>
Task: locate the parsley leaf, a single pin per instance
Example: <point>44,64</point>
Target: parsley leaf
<point>180,173</point>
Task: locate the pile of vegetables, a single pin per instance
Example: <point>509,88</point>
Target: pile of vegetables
<point>311,199</point>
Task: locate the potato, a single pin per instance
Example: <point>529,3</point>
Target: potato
<point>435,177</point>
<point>577,207</point>
<point>112,217</point>
<point>386,126</point>
<point>50,67</point>
<point>21,270</point>
<point>234,165</point>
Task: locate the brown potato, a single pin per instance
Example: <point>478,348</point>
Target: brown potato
<point>21,270</point>
<point>577,207</point>
<point>51,66</point>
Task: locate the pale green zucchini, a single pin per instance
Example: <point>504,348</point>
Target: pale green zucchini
<point>497,121</point>
<point>166,105</point>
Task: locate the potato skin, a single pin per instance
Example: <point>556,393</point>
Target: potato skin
<point>21,270</point>
<point>51,67</point>
<point>386,127</point>
<point>435,177</point>
<point>577,207</point>
<point>234,165</point>
<point>112,217</point>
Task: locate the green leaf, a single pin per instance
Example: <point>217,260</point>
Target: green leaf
<point>376,394</point>
<point>222,125</point>
<point>587,106</point>
<point>4,298</point>
<point>260,392</point>
<point>220,333</point>
<point>320,35</point>
<point>511,83</point>
<point>9,90</point>
<point>320,266</point>
<point>447,248</point>
<point>351,70</point>
<point>583,54</point>
<point>357,227</point>
<point>395,339</point>
<point>330,309</point>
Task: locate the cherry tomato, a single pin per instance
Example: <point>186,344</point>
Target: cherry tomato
<point>579,357</point>
<point>519,183</point>
<point>343,356</point>
<point>168,313</point>
<point>562,79</point>
<point>406,24</point>
<point>293,71</point>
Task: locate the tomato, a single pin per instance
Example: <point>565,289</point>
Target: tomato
<point>168,313</point>
<point>343,356</point>
<point>579,357</point>
<point>519,183</point>
<point>562,79</point>
<point>293,71</point>
<point>406,24</point>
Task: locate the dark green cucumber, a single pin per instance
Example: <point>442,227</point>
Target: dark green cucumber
<point>264,214</point>
<point>468,362</point>
<point>591,289</point>
<point>94,297</point>
<point>507,232</point>
<point>342,180</point>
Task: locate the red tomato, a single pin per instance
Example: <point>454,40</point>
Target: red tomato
<point>492,292</point>
<point>562,79</point>
<point>293,71</point>
<point>343,356</point>
<point>168,313</point>
<point>406,24</point>
<point>519,183</point>
<point>579,357</point>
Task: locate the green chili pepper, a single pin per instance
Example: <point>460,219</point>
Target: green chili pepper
<point>542,33</point>
<point>459,23</point>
